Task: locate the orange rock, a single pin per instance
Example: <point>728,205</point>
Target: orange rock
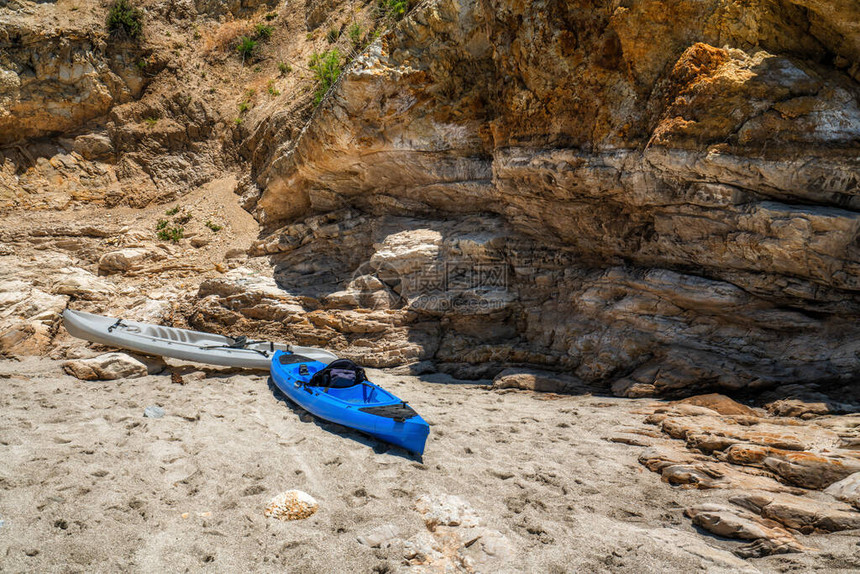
<point>720,403</point>
<point>805,469</point>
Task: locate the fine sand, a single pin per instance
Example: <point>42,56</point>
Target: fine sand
<point>88,484</point>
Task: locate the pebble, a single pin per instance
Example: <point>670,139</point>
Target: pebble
<point>446,510</point>
<point>153,412</point>
<point>379,535</point>
<point>291,505</point>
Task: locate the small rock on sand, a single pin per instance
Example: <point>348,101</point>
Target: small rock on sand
<point>379,535</point>
<point>107,367</point>
<point>719,403</point>
<point>153,412</point>
<point>535,380</point>
<point>446,510</point>
<point>291,505</point>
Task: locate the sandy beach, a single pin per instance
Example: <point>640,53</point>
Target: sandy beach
<point>609,251</point>
<point>88,484</point>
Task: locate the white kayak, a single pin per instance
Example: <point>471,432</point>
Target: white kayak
<point>182,343</point>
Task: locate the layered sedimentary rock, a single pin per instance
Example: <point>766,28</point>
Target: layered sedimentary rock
<point>53,81</point>
<point>762,474</point>
<point>652,197</point>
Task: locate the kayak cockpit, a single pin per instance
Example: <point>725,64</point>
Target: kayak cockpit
<point>360,393</point>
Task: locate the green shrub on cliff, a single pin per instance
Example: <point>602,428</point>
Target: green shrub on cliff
<point>263,31</point>
<point>124,20</point>
<point>173,234</point>
<point>355,35</point>
<point>246,47</point>
<point>326,68</point>
<point>393,9</point>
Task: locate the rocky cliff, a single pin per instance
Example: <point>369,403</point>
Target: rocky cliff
<point>655,197</point>
<point>652,196</point>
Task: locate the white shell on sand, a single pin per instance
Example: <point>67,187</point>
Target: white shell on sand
<point>291,505</point>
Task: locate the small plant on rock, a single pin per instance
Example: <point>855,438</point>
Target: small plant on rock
<point>273,91</point>
<point>150,121</point>
<point>326,68</point>
<point>162,223</point>
<point>214,226</point>
<point>355,35</point>
<point>172,211</point>
<point>333,35</point>
<point>264,31</point>
<point>124,20</point>
<point>393,9</point>
<point>284,68</point>
<point>246,47</point>
<point>173,234</point>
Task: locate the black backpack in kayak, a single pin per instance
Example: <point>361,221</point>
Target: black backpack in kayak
<point>338,374</point>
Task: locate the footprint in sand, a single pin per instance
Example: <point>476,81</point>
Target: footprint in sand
<point>357,498</point>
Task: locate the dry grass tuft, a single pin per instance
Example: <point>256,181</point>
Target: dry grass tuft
<point>227,35</point>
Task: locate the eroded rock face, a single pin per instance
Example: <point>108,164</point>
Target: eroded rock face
<point>667,214</point>
<point>54,81</point>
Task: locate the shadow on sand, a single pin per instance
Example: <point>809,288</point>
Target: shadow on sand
<point>378,446</point>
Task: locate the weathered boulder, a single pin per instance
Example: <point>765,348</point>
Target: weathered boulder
<point>122,260</point>
<point>78,282</point>
<point>735,523</point>
<point>107,367</point>
<point>803,514</point>
<point>847,489</point>
<point>28,315</point>
<point>536,380</point>
<point>797,408</point>
<point>92,146</point>
<point>721,404</point>
<point>805,469</point>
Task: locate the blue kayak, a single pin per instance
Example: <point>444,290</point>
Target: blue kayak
<point>339,392</point>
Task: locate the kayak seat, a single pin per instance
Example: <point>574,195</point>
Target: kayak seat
<point>346,381</point>
<point>339,374</point>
